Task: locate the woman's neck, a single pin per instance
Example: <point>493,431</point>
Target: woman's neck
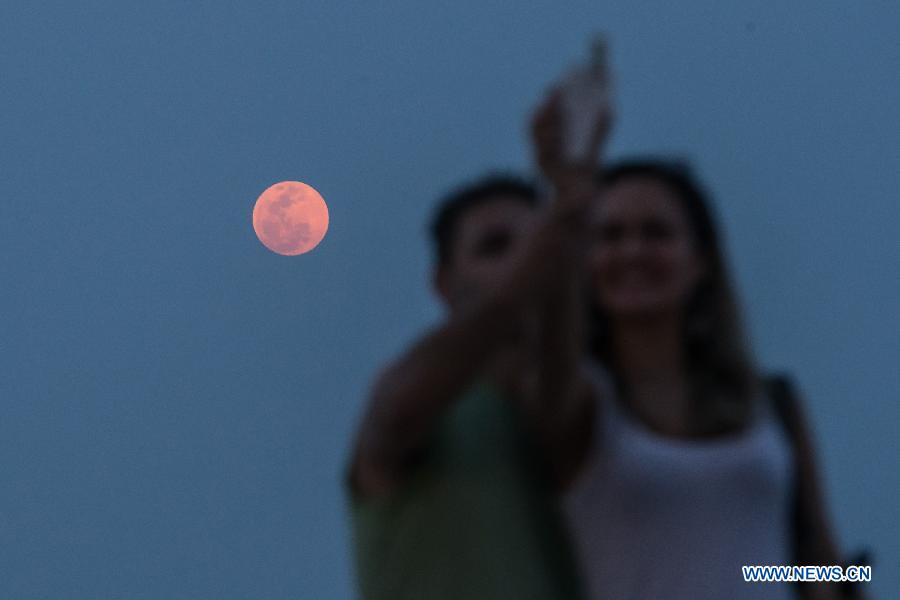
<point>649,350</point>
<point>650,359</point>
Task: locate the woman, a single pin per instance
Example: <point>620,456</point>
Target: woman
<point>691,473</point>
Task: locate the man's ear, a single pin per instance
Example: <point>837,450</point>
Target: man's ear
<point>440,282</point>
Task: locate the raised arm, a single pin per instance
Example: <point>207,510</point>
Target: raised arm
<point>564,399</point>
<point>415,391</point>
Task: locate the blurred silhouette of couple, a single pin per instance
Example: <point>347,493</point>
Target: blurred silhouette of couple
<point>588,421</point>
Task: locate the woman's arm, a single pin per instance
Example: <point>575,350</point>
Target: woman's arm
<point>563,410</point>
<point>564,402</point>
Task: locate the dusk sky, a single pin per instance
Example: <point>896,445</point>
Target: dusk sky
<point>178,401</point>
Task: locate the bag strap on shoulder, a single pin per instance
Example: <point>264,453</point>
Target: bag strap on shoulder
<point>781,391</point>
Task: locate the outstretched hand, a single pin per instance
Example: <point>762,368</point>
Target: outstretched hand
<point>555,247</point>
<point>548,134</point>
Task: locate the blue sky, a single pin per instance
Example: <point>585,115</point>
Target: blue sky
<point>177,401</point>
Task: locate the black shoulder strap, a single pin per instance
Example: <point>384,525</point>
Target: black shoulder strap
<point>780,390</point>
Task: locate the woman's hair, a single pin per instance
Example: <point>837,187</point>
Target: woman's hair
<point>722,373</point>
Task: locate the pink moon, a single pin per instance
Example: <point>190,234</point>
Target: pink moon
<point>290,218</point>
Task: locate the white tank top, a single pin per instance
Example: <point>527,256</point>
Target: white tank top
<point>655,517</point>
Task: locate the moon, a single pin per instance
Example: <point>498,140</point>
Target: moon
<point>290,218</point>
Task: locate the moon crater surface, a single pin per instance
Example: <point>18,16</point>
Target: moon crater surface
<point>290,218</point>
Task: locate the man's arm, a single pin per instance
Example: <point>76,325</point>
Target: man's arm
<point>414,391</point>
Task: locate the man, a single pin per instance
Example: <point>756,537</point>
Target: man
<point>468,436</point>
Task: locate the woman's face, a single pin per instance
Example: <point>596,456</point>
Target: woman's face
<point>643,259</point>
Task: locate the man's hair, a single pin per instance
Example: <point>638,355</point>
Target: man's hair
<point>452,208</point>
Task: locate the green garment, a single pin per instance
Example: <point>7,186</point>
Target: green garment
<point>476,520</point>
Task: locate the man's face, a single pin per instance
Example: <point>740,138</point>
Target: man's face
<point>487,236</point>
